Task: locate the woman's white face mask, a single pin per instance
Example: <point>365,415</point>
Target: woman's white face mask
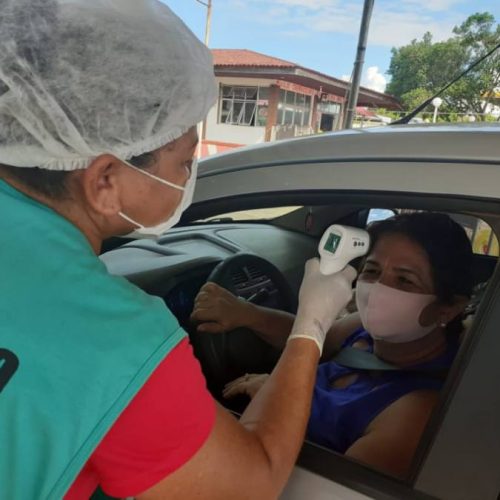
<point>390,314</point>
<point>187,198</point>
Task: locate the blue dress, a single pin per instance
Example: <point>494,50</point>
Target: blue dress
<point>339,416</point>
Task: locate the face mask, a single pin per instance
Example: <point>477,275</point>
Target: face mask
<point>392,315</point>
<point>187,198</point>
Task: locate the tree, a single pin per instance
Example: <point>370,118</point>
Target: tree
<point>408,67</point>
<point>421,68</point>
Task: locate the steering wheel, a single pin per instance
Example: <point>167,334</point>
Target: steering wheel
<point>226,356</point>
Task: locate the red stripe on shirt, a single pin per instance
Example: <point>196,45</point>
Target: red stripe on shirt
<point>165,424</point>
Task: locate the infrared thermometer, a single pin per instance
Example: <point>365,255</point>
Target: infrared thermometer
<point>339,245</point>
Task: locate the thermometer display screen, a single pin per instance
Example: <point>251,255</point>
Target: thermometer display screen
<point>332,243</point>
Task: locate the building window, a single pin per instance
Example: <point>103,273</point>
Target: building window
<point>243,105</point>
<point>294,109</point>
<point>329,107</point>
<point>329,113</point>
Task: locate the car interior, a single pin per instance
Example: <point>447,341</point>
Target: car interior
<point>256,247</point>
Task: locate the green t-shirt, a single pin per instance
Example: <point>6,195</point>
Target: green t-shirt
<point>76,345</point>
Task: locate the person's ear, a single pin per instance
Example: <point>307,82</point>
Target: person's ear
<point>450,311</point>
<point>101,186</point>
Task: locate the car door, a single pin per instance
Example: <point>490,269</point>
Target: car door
<point>460,452</point>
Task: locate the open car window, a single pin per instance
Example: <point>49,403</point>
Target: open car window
<point>288,246</point>
<point>480,233</point>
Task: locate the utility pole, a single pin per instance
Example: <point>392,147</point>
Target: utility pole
<point>209,23</point>
<point>208,28</point>
<point>358,64</point>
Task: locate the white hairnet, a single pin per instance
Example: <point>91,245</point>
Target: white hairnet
<point>79,78</point>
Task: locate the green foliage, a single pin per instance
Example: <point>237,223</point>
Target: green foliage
<point>408,66</point>
<point>421,68</point>
<point>416,96</point>
<point>393,115</point>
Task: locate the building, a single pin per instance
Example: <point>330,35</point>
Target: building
<point>262,98</point>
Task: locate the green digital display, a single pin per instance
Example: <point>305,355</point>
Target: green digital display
<point>332,243</point>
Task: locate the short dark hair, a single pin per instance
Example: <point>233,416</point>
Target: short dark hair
<point>447,246</point>
<point>49,183</point>
<point>53,184</point>
<point>444,241</point>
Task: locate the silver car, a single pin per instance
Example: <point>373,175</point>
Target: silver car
<point>258,215</point>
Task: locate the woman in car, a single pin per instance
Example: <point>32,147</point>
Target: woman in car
<point>411,291</point>
<point>99,102</point>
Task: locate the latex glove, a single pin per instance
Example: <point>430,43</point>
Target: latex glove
<point>321,299</point>
<point>217,310</point>
<point>249,384</point>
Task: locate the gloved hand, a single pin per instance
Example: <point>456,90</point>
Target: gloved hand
<point>249,384</point>
<point>321,299</point>
<point>216,310</point>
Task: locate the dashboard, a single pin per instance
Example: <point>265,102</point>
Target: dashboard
<point>177,265</point>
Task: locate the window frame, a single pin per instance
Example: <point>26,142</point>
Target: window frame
<point>255,119</point>
<point>435,467</point>
<point>288,105</point>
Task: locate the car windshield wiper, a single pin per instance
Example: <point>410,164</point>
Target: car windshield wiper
<point>406,119</point>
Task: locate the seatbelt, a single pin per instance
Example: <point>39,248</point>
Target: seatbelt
<point>351,357</point>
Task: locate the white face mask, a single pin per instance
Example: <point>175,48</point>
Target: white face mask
<point>392,315</point>
<point>187,198</point>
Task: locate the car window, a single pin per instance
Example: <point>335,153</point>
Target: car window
<point>483,239</point>
<point>376,214</point>
<point>480,233</point>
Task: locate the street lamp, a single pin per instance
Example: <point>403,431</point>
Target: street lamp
<point>436,102</point>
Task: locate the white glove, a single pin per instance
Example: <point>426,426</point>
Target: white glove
<point>321,299</point>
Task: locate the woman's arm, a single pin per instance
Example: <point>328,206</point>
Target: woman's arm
<point>252,458</point>
<point>218,310</point>
<point>391,439</point>
<point>260,450</point>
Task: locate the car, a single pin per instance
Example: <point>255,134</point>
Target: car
<point>257,217</point>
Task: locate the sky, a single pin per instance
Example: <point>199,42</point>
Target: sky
<point>323,34</point>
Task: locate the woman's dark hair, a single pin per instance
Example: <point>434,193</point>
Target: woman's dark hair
<point>54,183</point>
<point>447,247</point>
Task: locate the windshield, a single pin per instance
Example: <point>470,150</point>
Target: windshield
<point>258,214</point>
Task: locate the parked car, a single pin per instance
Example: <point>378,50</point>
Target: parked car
<point>258,215</point>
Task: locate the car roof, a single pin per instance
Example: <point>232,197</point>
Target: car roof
<point>477,142</point>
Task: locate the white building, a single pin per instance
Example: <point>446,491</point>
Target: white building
<point>262,98</point>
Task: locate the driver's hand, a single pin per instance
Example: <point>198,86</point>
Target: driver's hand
<point>249,385</point>
<point>216,310</point>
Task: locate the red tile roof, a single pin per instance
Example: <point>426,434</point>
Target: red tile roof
<point>249,58</point>
<point>243,57</point>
